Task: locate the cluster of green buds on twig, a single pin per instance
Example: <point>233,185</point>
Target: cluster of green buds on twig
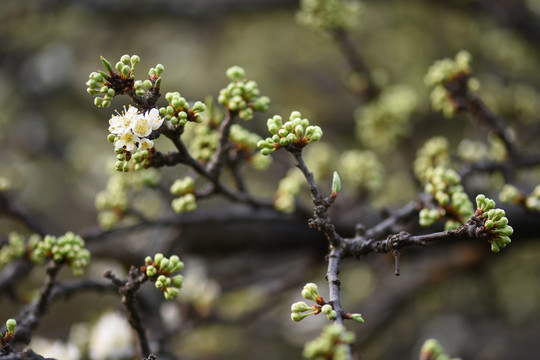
<point>512,195</point>
<point>329,15</point>
<point>160,270</point>
<point>300,310</point>
<point>246,147</point>
<point>120,80</point>
<point>242,95</point>
<point>14,249</point>
<point>296,131</point>
<point>184,189</point>
<point>450,75</point>
<point>68,248</point>
<point>495,224</point>
<point>451,200</point>
<point>333,343</point>
<point>432,350</point>
<point>11,325</point>
<point>434,153</point>
<point>178,111</point>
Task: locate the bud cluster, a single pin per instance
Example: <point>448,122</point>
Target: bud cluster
<point>390,111</point>
<point>329,15</point>
<point>445,71</point>
<point>432,350</point>
<point>472,151</point>
<point>532,202</point>
<point>178,111</point>
<point>68,248</point>
<point>495,223</point>
<point>288,188</point>
<point>452,201</point>
<point>120,79</point>
<point>160,270</point>
<point>434,153</point>
<point>14,249</point>
<point>113,202</point>
<point>242,95</point>
<point>186,201</point>
<point>246,146</point>
<point>362,169</point>
<point>295,131</point>
<point>511,195</point>
<point>333,343</point>
<point>310,292</point>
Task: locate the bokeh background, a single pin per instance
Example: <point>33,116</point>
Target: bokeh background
<point>247,273</point>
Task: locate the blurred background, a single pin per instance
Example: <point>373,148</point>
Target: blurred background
<point>246,271</point>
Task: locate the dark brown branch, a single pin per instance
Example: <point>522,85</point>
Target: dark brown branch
<point>127,290</point>
<point>8,209</point>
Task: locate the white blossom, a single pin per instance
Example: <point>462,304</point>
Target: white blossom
<point>127,139</point>
<point>121,123</point>
<point>111,338</point>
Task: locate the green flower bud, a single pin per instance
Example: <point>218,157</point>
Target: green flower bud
<point>171,293</point>
<point>151,271</point>
<point>300,307</point>
<point>178,281</point>
<point>135,60</point>
<point>160,69</point>
<point>295,316</point>
<point>332,315</point>
<point>327,309</point>
<point>125,59</point>
<point>199,107</point>
<point>236,73</point>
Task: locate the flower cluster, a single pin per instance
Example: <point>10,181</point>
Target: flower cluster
<point>295,131</point>
<point>68,248</point>
<point>242,95</point>
<point>246,145</point>
<point>495,223</point>
<point>183,188</point>
<point>511,194</point>
<point>434,153</point>
<point>178,111</point>
<point>333,343</point>
<point>441,73</point>
<point>130,129</point>
<point>451,200</point>
<point>382,122</point>
<point>160,270</point>
<point>329,15</point>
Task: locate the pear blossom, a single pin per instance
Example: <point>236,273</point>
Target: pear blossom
<point>121,123</point>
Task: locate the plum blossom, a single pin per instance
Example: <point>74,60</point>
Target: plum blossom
<point>131,128</point>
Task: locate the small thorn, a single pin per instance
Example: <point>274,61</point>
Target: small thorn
<point>396,262</point>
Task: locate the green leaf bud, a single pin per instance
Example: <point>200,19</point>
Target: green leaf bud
<point>157,84</point>
<point>357,317</point>
<point>160,69</point>
<point>336,183</point>
<point>107,64</point>
<point>11,324</point>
